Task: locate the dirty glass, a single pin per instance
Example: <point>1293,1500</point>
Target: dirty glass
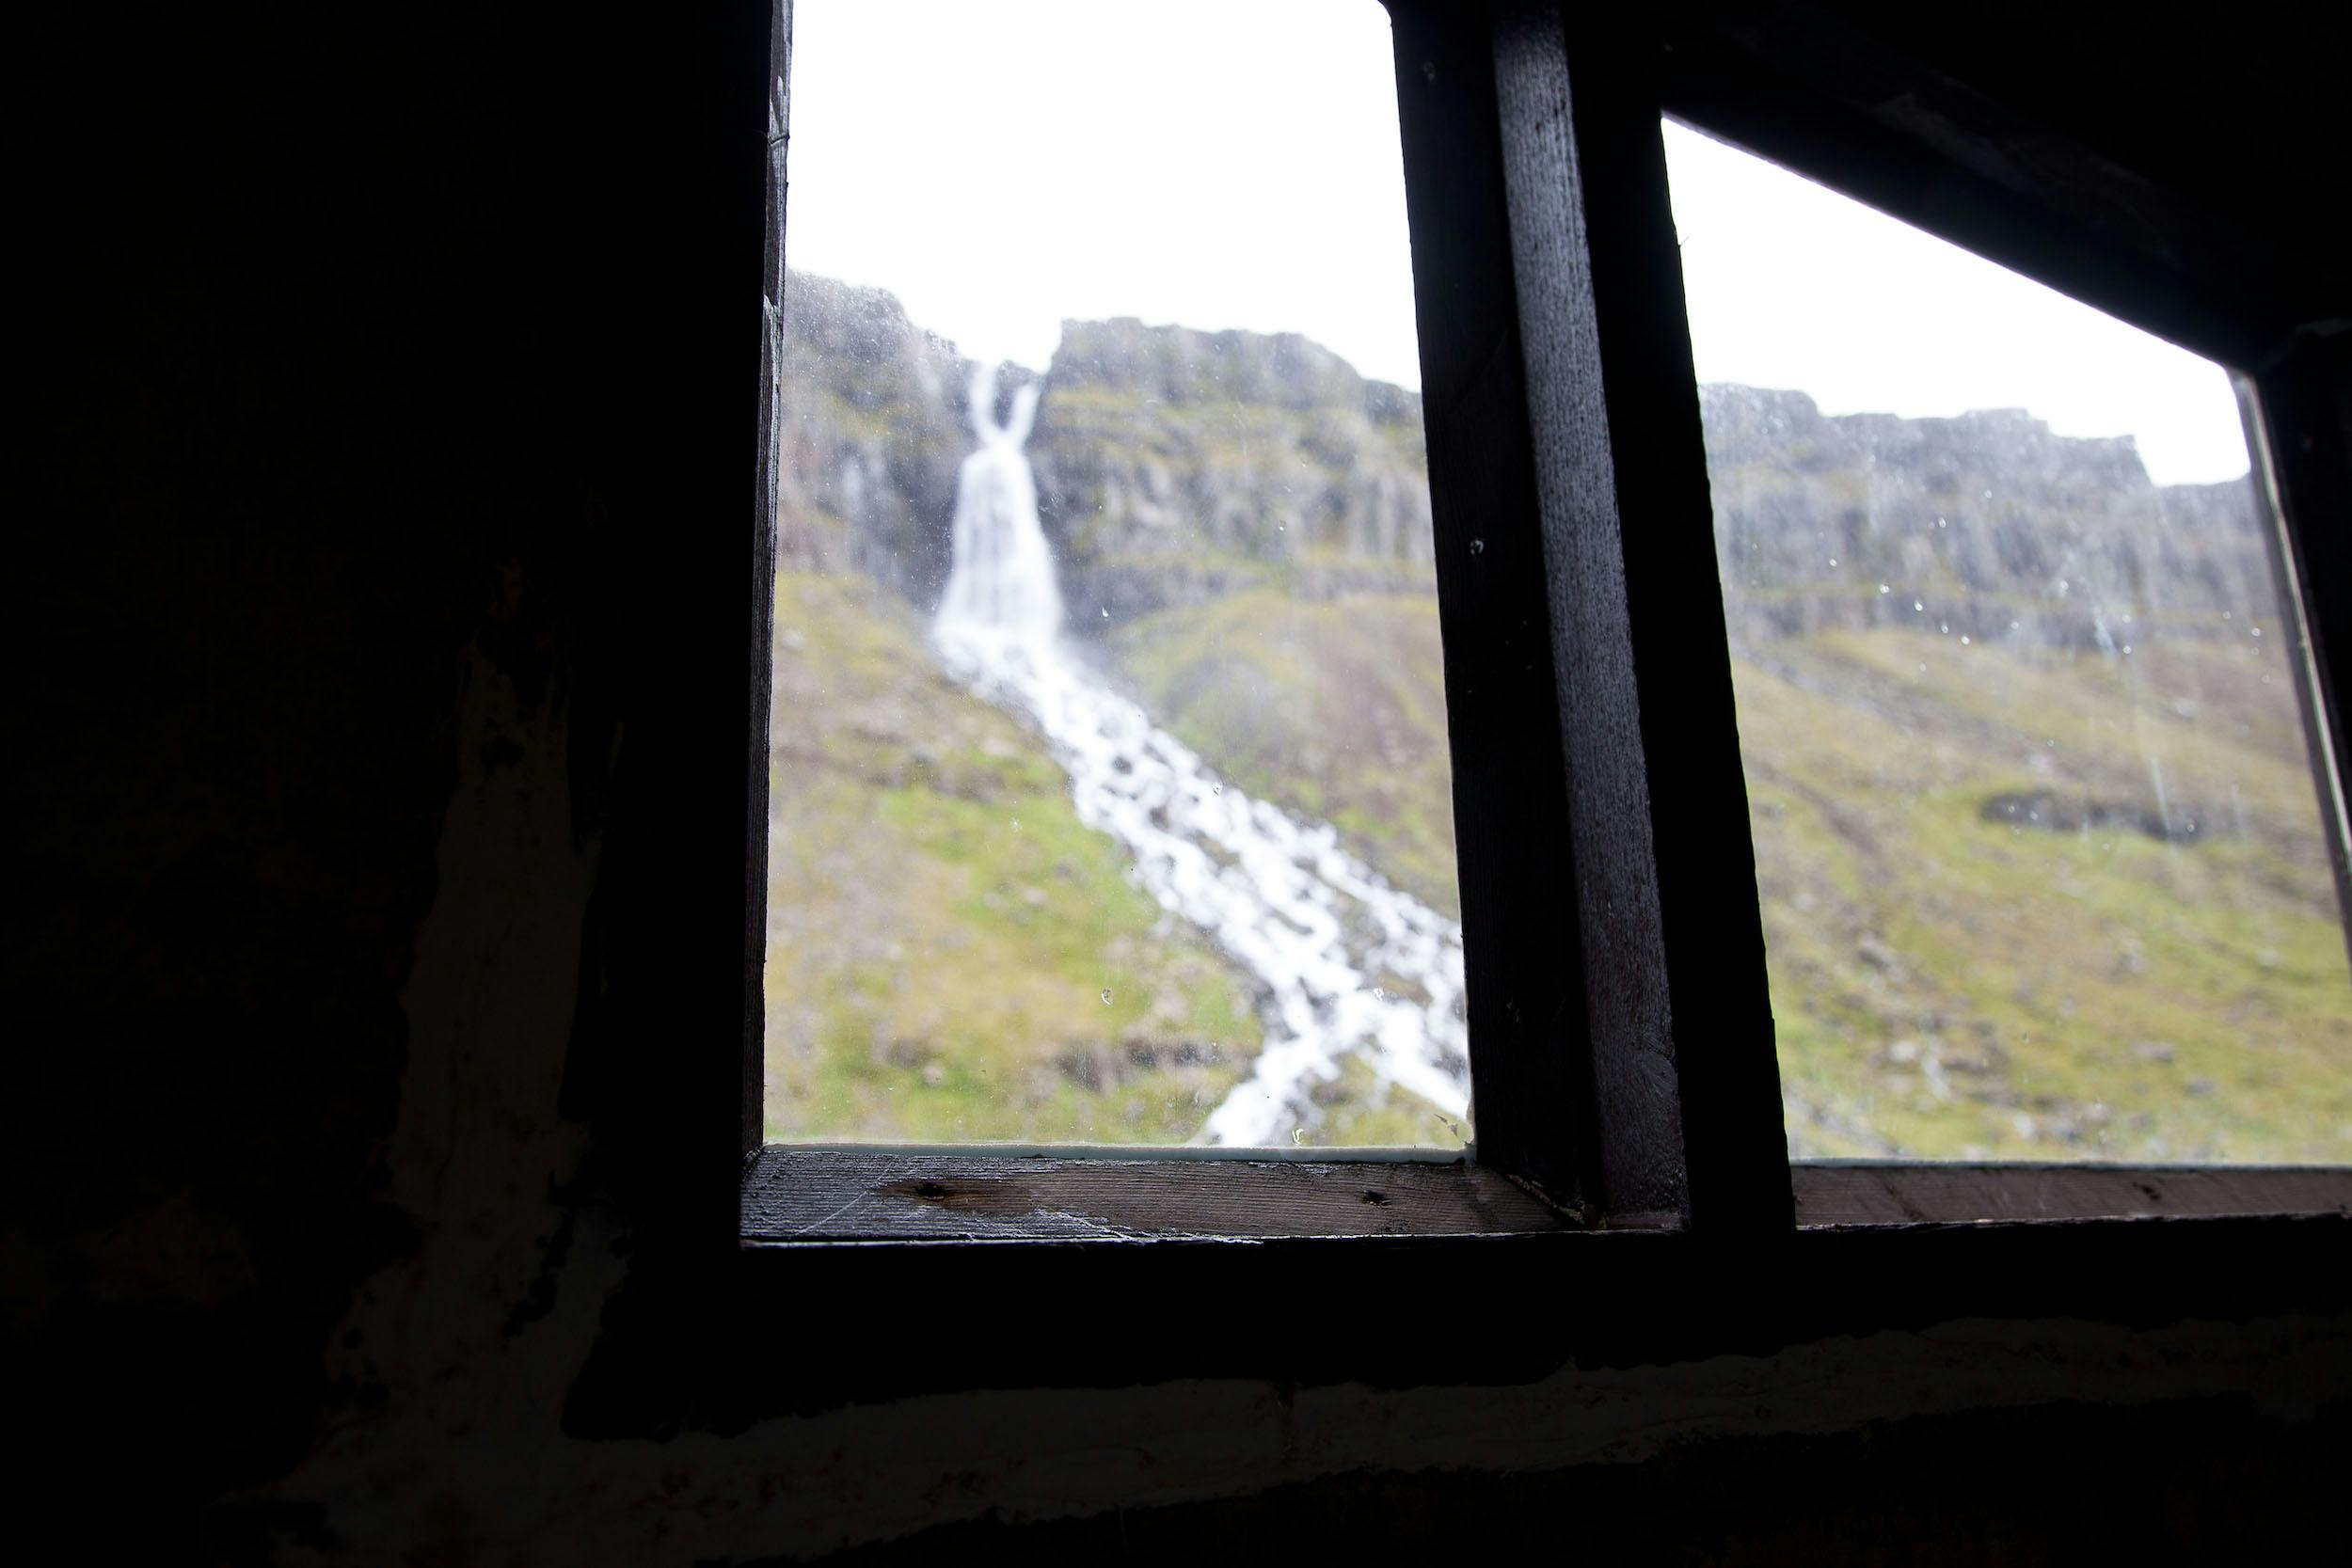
<point>1110,793</point>
<point>2043,859</point>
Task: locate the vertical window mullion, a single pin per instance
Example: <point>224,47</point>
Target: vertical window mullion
<point>2299,413</point>
<point>1525,987</point>
<point>1685,1103</point>
<point>763,605</point>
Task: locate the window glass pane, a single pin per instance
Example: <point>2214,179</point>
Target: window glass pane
<point>1109,768</point>
<point>2042,861</point>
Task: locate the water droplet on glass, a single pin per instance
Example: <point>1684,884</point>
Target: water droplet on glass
<point>1883,589</point>
<point>1378,994</point>
<point>1918,606</point>
<point>1478,547</point>
<point>1107,996</point>
<point>1944,628</point>
<point>1216,790</point>
<point>1298,1134</point>
<point>2258,631</point>
<point>1107,612</point>
<point>1833,561</point>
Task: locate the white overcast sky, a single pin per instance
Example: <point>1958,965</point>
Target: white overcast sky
<point>1002,166</point>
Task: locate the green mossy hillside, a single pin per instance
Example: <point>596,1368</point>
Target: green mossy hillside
<point>1947,983</point>
<point>1331,708</point>
<point>942,930</point>
<point>1950,983</point>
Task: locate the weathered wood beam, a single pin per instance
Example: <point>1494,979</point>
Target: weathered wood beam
<point>1677,1033</point>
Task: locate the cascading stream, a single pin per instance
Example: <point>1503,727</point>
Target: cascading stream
<point>1347,966</point>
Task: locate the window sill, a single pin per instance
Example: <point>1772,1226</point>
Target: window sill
<point>804,1197</point>
<point>1017,1272</point>
<point>1847,1193</point>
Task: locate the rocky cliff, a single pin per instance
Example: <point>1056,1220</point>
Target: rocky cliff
<point>872,409</point>
<point>1175,467</point>
<point>1172,465</point>
<point>1987,523</point>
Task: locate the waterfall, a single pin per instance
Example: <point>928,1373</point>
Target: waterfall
<point>1346,966</point>
<point>1002,587</point>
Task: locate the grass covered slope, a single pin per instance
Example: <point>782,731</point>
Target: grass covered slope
<point>1333,709</point>
<point>2062,979</point>
<point>942,930</point>
<point>2070,978</point>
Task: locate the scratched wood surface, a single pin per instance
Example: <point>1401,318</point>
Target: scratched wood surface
<point>1915,1193</point>
<point>831,1196</point>
<point>817,1194</point>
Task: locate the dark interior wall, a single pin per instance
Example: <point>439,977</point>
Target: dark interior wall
<point>375,814</point>
<point>386,421</point>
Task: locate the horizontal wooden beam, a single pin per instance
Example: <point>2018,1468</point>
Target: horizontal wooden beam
<point>801,1195</point>
<point>1836,1193</point>
<point>891,1195</point>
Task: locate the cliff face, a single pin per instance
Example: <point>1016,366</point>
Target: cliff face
<point>1176,466</point>
<point>1172,465</point>
<point>1987,522</point>
<point>872,409</point>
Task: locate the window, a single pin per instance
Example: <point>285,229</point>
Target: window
<point>2043,870</point>
<point>1134,462</point>
<point>1616,955</point>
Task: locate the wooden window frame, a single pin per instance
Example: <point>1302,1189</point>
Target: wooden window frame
<point>1622,1045</point>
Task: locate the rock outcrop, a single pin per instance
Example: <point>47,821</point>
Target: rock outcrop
<point>872,409</point>
<point>1176,467</point>
<point>1987,522</point>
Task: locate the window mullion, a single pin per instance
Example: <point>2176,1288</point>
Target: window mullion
<point>1520,939</point>
<point>1686,1116</point>
<point>2299,412</point>
<point>763,605</point>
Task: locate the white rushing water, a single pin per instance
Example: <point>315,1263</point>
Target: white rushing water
<point>1347,965</point>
